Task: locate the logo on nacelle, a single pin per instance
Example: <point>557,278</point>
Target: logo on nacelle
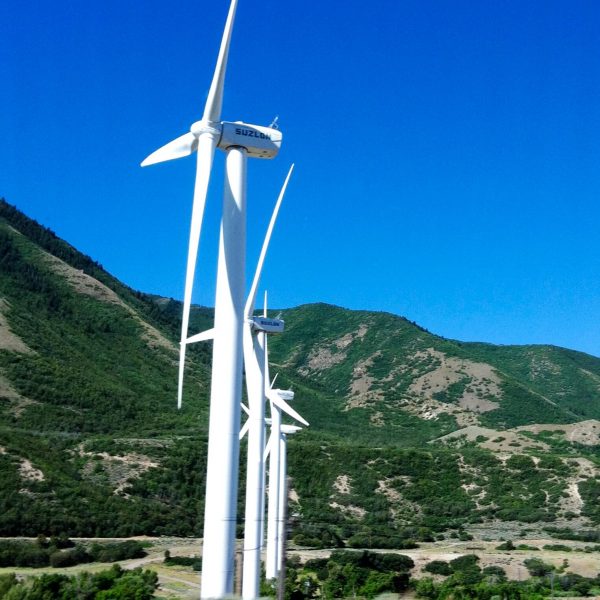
<point>268,325</point>
<point>252,133</point>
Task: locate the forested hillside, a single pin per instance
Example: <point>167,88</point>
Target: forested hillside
<point>412,435</point>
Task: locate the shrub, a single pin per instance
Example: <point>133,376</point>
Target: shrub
<point>537,567</point>
<point>438,567</point>
<point>464,562</point>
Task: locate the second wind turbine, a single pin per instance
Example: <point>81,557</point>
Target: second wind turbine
<point>239,141</point>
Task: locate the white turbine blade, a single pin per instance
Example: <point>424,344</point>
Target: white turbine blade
<point>203,336</point>
<point>214,102</point>
<point>274,379</point>
<point>250,362</point>
<point>184,145</point>
<point>268,448</point>
<point>285,407</point>
<point>252,296</point>
<point>206,152</point>
<point>245,408</point>
<point>244,429</point>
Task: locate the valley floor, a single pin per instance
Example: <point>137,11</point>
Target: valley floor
<point>183,582</point>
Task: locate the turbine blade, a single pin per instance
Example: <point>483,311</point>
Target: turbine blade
<point>249,309</point>
<point>268,447</point>
<point>245,408</point>
<point>184,145</point>
<point>285,407</point>
<point>206,152</point>
<point>214,102</point>
<point>244,429</point>
<point>251,365</point>
<point>203,336</point>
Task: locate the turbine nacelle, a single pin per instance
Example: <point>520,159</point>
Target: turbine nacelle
<point>266,325</point>
<point>258,141</point>
<point>285,395</point>
<point>289,429</point>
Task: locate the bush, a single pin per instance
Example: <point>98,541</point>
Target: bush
<point>537,567</point>
<point>558,547</point>
<point>464,562</point>
<point>508,545</point>
<point>438,567</point>
<point>117,551</point>
<point>69,558</point>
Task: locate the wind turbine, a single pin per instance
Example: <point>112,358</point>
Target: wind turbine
<point>255,331</point>
<point>279,402</point>
<point>255,483</point>
<point>239,140</point>
<point>283,493</point>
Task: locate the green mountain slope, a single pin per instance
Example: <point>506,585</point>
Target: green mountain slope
<point>411,434</point>
<point>385,374</point>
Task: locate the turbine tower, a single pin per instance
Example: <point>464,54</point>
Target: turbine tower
<point>239,141</point>
<point>283,493</point>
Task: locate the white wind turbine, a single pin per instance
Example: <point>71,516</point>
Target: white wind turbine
<point>255,483</point>
<point>239,141</point>
<point>278,400</point>
<point>255,331</point>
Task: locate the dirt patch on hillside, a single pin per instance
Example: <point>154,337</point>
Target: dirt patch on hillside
<point>354,511</point>
<point>542,366</point>
<point>119,469</point>
<point>435,392</point>
<point>28,472</point>
<point>342,484</point>
<point>321,359</point>
<point>87,285</point>
<point>18,403</point>
<point>333,353</point>
<point>482,382</point>
<point>361,394</point>
<point>9,340</point>
<point>508,441</point>
<point>377,420</point>
<point>584,432</point>
<point>385,488</point>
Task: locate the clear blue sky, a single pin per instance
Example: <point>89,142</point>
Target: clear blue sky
<point>447,152</point>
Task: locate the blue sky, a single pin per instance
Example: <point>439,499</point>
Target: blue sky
<point>447,152</point>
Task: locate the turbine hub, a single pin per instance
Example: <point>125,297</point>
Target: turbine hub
<point>202,126</point>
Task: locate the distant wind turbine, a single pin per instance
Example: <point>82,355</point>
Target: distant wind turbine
<point>239,141</point>
<point>279,403</point>
<point>255,331</point>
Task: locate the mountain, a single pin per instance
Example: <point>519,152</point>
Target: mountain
<point>412,435</point>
